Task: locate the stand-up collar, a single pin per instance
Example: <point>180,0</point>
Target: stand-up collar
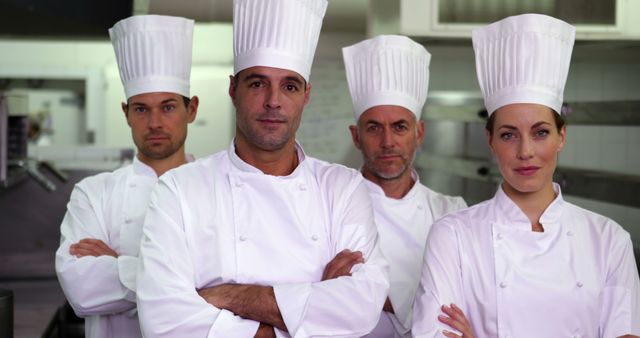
<point>509,212</point>
<point>141,168</point>
<point>377,190</point>
<point>246,167</point>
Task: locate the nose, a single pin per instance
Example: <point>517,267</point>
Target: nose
<point>155,119</point>
<point>387,138</point>
<point>272,101</point>
<point>525,149</point>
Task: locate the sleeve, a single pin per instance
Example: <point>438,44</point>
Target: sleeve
<point>168,303</point>
<point>347,306</point>
<point>127,269</point>
<point>621,296</point>
<point>440,282</point>
<point>91,284</point>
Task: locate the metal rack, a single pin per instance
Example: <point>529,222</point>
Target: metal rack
<point>592,184</point>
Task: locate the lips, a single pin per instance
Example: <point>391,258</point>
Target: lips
<point>156,138</point>
<point>388,157</point>
<point>527,171</point>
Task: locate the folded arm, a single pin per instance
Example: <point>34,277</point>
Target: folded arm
<point>88,272</point>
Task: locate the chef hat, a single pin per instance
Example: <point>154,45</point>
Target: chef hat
<point>276,33</point>
<point>523,59</point>
<point>153,53</point>
<point>387,70</point>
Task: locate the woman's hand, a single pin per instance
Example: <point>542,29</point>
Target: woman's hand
<point>456,319</point>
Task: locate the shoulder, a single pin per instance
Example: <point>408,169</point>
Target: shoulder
<point>103,182</point>
<point>333,175</point>
<point>444,204</point>
<point>467,218</point>
<point>595,223</point>
<point>204,167</point>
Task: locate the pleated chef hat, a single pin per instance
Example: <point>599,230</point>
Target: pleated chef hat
<point>276,33</point>
<point>153,53</point>
<point>387,70</point>
<point>523,59</point>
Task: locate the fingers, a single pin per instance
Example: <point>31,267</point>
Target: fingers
<point>342,264</point>
<point>91,247</point>
<point>455,319</point>
<point>450,334</point>
<point>82,251</point>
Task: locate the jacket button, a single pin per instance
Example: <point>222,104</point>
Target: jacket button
<point>499,236</point>
<point>242,238</point>
<point>314,237</point>
<point>132,185</point>
<point>420,207</point>
<point>238,184</point>
<point>302,187</point>
<point>579,284</point>
<point>503,284</point>
<point>569,233</point>
<point>128,221</point>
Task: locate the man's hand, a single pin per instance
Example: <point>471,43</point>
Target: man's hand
<point>91,247</point>
<point>253,302</point>
<point>456,319</point>
<point>341,264</point>
<point>265,331</point>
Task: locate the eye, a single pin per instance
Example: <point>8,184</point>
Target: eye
<point>372,128</point>
<point>139,109</point>
<point>506,135</point>
<point>291,88</point>
<point>541,133</point>
<point>401,127</point>
<point>256,84</point>
<point>168,108</point>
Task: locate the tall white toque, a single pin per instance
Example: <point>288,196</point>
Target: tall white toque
<point>153,53</point>
<point>387,70</point>
<point>523,59</point>
<point>276,33</point>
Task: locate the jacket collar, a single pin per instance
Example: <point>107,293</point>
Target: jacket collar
<point>509,212</point>
<point>240,164</point>
<point>140,168</point>
<point>376,190</point>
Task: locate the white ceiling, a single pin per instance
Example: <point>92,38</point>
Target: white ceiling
<point>342,15</point>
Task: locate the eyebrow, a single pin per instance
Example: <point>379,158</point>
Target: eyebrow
<point>253,76</point>
<point>144,104</point>
<point>392,123</point>
<point>535,125</point>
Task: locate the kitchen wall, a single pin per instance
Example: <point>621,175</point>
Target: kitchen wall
<point>598,72</point>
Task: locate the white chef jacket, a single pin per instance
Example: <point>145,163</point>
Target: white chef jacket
<point>403,225</point>
<point>220,220</point>
<point>578,278</point>
<point>109,207</point>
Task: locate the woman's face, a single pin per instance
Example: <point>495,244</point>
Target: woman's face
<point>526,143</point>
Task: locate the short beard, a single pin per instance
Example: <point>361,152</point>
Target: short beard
<point>370,166</point>
<point>266,141</point>
<point>162,154</point>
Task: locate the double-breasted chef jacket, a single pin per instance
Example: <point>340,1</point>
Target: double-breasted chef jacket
<point>220,220</point>
<point>403,225</point>
<point>578,278</point>
<point>109,207</point>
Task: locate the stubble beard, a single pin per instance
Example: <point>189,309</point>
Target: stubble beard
<point>371,166</point>
<point>161,153</point>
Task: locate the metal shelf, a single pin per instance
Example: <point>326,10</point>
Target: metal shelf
<point>469,107</point>
<point>598,185</point>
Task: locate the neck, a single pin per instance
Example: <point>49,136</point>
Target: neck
<point>279,162</point>
<point>160,166</point>
<point>395,188</point>
<point>533,204</point>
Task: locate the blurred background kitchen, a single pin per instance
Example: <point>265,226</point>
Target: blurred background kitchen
<point>60,116</point>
